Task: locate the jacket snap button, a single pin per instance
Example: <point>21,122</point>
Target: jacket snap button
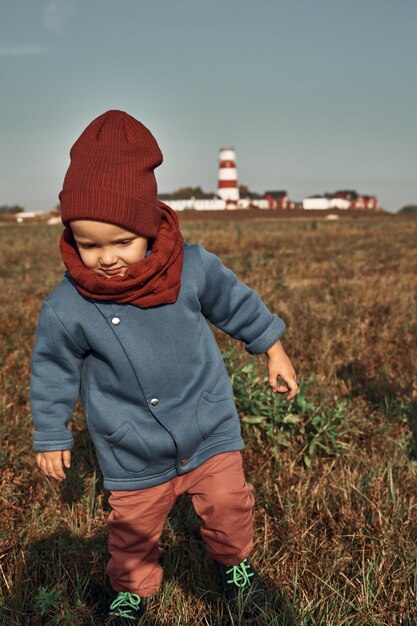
<point>154,401</point>
<point>115,320</point>
<point>184,463</point>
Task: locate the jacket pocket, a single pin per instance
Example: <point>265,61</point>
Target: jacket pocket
<point>129,449</point>
<point>216,414</point>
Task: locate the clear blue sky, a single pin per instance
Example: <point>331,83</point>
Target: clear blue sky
<point>314,95</point>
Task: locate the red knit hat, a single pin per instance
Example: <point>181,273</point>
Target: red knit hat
<point>111,175</point>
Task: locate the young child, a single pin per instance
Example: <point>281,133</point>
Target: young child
<point>126,330</point>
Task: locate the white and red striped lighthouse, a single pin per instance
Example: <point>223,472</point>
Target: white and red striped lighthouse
<point>227,187</point>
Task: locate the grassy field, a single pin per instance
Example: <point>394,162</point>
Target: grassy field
<point>334,471</point>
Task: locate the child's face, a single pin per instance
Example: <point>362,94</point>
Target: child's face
<point>107,249</point>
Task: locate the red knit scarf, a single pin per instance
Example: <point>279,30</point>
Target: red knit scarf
<point>156,279</point>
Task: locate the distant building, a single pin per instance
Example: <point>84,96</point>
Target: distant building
<point>348,199</point>
<point>366,202</point>
<point>254,200</point>
<point>209,202</point>
<point>278,200</point>
<point>316,202</point>
<point>27,215</point>
<point>357,201</point>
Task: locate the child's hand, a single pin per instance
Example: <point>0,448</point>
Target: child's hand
<point>51,463</point>
<point>279,365</point>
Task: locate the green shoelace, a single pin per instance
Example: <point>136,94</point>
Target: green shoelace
<point>240,576</point>
<point>132,600</point>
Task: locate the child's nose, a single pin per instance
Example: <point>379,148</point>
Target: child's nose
<point>108,258</point>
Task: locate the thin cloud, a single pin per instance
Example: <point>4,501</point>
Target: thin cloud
<point>56,14</point>
<point>19,51</point>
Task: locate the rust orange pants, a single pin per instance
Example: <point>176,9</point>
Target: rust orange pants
<point>221,498</point>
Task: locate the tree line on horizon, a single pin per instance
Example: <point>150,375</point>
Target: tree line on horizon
<point>197,192</point>
<point>11,208</point>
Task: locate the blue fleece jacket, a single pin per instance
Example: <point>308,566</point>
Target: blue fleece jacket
<point>154,388</point>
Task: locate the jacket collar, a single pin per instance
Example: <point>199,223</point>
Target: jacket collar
<point>106,307</point>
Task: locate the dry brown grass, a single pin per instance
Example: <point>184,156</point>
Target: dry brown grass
<point>337,540</point>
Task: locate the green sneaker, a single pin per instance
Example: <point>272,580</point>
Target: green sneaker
<point>126,608</point>
<point>243,591</point>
